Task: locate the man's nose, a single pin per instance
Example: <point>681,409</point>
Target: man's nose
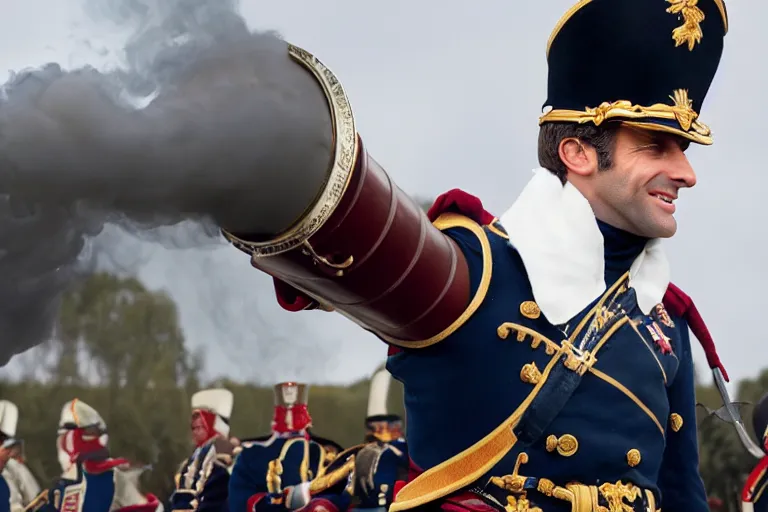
<point>680,169</point>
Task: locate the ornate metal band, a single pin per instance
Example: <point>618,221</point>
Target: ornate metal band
<point>681,111</point>
<point>344,157</point>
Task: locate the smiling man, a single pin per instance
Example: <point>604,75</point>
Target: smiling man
<point>545,355</point>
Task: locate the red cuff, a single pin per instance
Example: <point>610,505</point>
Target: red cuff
<point>458,201</point>
<point>319,505</point>
<point>292,299</point>
<point>149,506</point>
<point>253,500</point>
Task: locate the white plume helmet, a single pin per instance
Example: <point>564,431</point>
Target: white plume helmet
<point>9,418</point>
<point>377,396</point>
<point>219,401</point>
<point>78,414</point>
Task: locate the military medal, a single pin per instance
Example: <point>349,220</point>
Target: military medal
<point>661,341</point>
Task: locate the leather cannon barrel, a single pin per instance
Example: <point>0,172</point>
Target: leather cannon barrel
<point>364,248</point>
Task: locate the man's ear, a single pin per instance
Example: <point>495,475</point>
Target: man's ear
<point>579,158</point>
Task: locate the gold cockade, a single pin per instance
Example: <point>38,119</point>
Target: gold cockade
<point>690,31</point>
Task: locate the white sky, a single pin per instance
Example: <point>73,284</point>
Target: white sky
<point>448,96</point>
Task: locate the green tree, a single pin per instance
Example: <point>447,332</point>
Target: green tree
<point>120,349</point>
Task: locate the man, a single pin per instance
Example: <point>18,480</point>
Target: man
<point>91,480</point>
<point>9,498</point>
<point>22,484</point>
<point>383,460</point>
<point>288,468</point>
<point>202,481</point>
<point>545,354</point>
<point>754,496</point>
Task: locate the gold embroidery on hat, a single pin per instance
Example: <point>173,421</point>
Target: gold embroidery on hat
<point>681,111</point>
<point>690,31</point>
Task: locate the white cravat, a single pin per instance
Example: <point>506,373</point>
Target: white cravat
<point>554,230</point>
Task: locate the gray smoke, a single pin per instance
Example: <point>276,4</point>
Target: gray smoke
<point>230,123</point>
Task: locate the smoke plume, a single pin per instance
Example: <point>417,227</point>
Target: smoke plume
<point>227,122</point>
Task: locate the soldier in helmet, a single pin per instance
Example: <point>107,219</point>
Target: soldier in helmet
<point>202,482</point>
<point>22,484</point>
<point>91,480</point>
<point>544,352</point>
<point>383,460</point>
<point>754,496</point>
<point>288,469</point>
<point>9,499</point>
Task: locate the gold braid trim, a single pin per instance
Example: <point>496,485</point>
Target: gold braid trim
<point>681,111</point>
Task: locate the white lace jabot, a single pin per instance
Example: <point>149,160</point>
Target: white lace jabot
<point>555,231</point>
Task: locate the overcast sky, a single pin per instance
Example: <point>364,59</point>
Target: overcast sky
<point>448,95</point>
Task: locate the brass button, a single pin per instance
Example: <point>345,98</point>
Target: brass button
<point>530,374</point>
<point>566,445</point>
<point>633,457</point>
<point>676,421</point>
<point>530,309</point>
<point>551,443</point>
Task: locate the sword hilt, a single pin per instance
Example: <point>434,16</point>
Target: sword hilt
<point>735,417</point>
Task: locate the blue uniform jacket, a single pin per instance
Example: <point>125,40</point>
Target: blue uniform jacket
<point>5,495</point>
<point>299,459</point>
<point>95,491</point>
<point>202,482</point>
<point>630,419</point>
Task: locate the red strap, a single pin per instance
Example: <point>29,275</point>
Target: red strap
<point>100,466</point>
<point>754,476</point>
<point>680,304</point>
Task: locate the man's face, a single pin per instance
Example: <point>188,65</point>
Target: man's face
<point>638,193</point>
<point>290,394</point>
<point>5,454</point>
<point>199,429</point>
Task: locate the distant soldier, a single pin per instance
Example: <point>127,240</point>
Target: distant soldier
<point>23,486</point>
<point>383,460</point>
<point>288,469</point>
<point>202,482</point>
<point>754,496</point>
<point>91,480</point>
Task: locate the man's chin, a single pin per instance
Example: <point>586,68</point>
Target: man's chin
<point>664,229</point>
